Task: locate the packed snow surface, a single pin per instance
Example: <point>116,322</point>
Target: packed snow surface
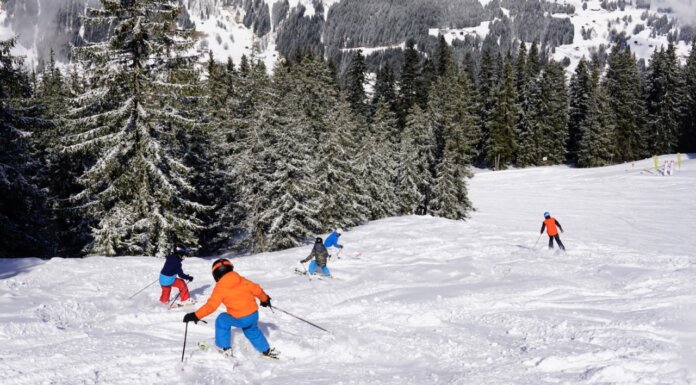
<point>415,300</point>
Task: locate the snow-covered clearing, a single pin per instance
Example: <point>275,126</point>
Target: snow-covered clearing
<point>416,300</point>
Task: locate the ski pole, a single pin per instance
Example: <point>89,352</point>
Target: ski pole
<point>301,319</point>
<point>174,300</point>
<point>306,273</point>
<point>338,255</point>
<point>184,349</point>
<point>143,289</point>
<point>185,334</point>
<point>537,241</point>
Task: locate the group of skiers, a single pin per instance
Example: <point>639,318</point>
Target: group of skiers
<point>239,294</point>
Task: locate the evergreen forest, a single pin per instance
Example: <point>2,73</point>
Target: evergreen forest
<point>138,145</point>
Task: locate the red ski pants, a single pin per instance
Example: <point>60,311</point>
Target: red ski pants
<point>179,284</point>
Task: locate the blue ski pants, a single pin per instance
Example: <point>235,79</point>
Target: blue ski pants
<point>313,266</point>
<point>248,324</point>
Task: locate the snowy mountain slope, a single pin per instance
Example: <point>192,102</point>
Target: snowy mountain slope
<point>415,300</point>
<point>228,31</point>
<point>595,26</point>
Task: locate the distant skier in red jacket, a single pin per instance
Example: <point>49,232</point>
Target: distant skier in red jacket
<point>550,224</point>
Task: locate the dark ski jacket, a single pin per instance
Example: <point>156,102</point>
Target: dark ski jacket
<point>172,267</point>
<point>320,253</point>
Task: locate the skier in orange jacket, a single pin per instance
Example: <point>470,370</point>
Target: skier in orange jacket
<point>239,296</point>
<point>550,224</point>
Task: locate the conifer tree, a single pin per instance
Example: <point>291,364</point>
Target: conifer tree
<point>595,146</point>
<point>290,215</point>
<point>383,147</point>
<point>385,90</point>
<point>626,105</point>
<point>687,142</point>
<point>502,122</point>
<point>343,199</point>
<point>22,214</point>
<point>444,56</point>
<point>662,101</point>
<point>374,173</point>
<point>414,177</point>
<point>452,112</point>
<point>355,84</point>
<point>533,62</point>
<point>549,114</point>
<point>408,83</point>
<point>580,95</point>
<point>249,142</point>
<point>139,187</point>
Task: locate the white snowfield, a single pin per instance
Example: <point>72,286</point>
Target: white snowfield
<point>416,300</point>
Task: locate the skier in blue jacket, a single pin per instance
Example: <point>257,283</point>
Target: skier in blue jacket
<point>332,239</point>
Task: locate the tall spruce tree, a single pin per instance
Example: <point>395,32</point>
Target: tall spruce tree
<point>444,56</point>
<point>450,110</point>
<point>414,177</point>
<point>580,95</point>
<point>385,90</point>
<point>596,129</point>
<point>381,145</point>
<point>139,187</point>
<point>687,141</point>
<point>22,204</point>
<point>290,215</point>
<point>343,196</point>
<point>409,81</point>
<point>626,104</point>
<point>243,134</point>
<point>502,122</point>
<point>355,84</point>
<point>549,114</point>
<point>663,101</point>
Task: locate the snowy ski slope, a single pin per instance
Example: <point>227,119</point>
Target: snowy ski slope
<point>416,300</point>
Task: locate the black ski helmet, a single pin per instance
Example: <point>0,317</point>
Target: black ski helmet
<point>180,251</point>
<point>318,240</point>
<point>221,267</point>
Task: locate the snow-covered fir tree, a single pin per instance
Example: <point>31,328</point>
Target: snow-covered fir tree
<point>502,121</point>
<point>342,198</point>
<point>580,96</point>
<point>663,101</point>
<point>381,147</point>
<point>355,84</point>
<point>687,142</point>
<point>385,90</point>
<point>596,129</point>
<point>22,213</point>
<point>452,112</point>
<point>414,176</point>
<point>626,103</point>
<point>245,141</point>
<point>549,115</point>
<point>139,189</point>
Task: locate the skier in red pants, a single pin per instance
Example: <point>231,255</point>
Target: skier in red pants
<point>550,224</point>
<point>168,276</point>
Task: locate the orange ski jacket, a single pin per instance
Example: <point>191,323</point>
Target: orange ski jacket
<point>237,293</point>
<point>550,225</point>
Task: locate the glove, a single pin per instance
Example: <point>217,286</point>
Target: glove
<point>266,303</point>
<point>340,247</point>
<point>190,278</point>
<point>191,317</point>
<point>301,260</point>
